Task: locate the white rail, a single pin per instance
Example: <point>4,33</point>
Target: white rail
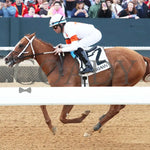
<point>133,47</point>
<point>89,95</point>
<point>130,47</point>
<point>6,48</point>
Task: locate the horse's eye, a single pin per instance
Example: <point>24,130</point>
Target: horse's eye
<point>21,45</point>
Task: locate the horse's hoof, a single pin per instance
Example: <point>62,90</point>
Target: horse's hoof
<point>89,133</point>
<point>86,134</point>
<point>53,130</point>
<point>86,113</point>
<point>100,130</point>
<point>97,126</point>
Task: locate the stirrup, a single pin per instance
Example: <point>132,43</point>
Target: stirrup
<point>86,70</point>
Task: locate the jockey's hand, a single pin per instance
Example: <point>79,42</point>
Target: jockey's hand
<point>59,46</point>
<point>57,50</point>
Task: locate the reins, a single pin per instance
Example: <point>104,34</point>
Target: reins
<point>34,55</point>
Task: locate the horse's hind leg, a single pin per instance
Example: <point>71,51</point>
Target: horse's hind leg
<point>66,109</point>
<point>47,119</point>
<point>113,110</point>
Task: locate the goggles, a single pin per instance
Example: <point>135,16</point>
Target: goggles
<point>55,27</point>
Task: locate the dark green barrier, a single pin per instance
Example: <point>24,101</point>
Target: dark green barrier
<point>116,32</point>
<point>4,31</point>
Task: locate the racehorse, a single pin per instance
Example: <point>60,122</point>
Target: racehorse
<point>127,68</point>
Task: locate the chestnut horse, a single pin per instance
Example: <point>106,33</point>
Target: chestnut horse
<point>127,68</point>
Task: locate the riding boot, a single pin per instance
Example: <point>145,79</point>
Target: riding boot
<point>84,58</point>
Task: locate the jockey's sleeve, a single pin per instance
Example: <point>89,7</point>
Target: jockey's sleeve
<point>72,44</point>
<point>70,47</point>
<point>64,45</point>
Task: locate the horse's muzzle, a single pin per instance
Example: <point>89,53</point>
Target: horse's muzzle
<point>10,61</point>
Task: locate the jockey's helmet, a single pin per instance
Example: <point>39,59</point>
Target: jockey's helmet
<point>56,20</point>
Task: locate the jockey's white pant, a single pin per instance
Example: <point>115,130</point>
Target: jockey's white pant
<point>91,39</point>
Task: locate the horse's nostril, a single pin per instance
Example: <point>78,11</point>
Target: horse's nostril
<point>6,60</point>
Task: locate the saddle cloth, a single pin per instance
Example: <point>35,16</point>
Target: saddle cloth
<point>98,60</point>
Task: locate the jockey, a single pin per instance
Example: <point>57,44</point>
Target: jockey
<point>78,37</point>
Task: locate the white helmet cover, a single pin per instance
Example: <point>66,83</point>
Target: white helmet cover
<point>57,19</point>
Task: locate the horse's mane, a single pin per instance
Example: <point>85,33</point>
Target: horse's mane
<point>48,44</point>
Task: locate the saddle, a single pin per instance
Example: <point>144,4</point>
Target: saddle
<point>98,60</point>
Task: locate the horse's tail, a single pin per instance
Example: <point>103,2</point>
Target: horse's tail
<point>146,76</point>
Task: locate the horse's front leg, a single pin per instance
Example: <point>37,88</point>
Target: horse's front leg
<point>47,119</point>
<point>113,110</point>
<point>65,111</point>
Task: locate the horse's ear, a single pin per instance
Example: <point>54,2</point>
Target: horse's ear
<point>33,34</point>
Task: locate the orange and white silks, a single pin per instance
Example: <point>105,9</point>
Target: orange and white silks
<point>72,39</point>
<point>80,35</point>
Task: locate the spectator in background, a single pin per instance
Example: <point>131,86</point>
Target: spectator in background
<point>1,6</point>
<point>79,10</point>
<point>142,9</point>
<point>116,8</point>
<point>135,2</point>
<point>70,5</point>
<point>104,11</point>
<point>129,12</point>
<point>87,4</point>
<point>7,9</point>
<point>92,2</point>
<point>147,3</point>
<point>56,9</point>
<point>124,3</point>
<point>30,2</point>
<point>38,6</point>
<point>21,8</point>
<point>44,10</point>
<point>94,9</point>
<point>31,13</point>
<point>62,4</point>
<point>34,3</point>
<point>109,3</point>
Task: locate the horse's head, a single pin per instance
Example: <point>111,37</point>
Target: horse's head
<point>22,51</point>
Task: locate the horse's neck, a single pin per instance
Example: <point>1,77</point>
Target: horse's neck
<point>45,61</point>
<point>51,65</point>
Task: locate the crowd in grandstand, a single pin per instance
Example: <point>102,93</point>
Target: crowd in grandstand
<point>76,8</point>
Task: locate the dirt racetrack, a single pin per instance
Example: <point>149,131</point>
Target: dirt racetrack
<point>24,128</point>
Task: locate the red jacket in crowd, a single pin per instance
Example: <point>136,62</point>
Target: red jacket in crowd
<point>24,9</point>
<point>37,9</point>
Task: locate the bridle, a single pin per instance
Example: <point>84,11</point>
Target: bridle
<point>29,43</point>
<point>33,55</point>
